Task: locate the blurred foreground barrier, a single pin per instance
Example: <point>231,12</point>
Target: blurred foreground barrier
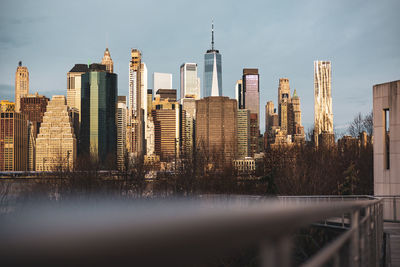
<point>188,232</point>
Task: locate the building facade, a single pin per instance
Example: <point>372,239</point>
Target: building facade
<point>34,107</point>
<point>21,84</point>
<point>162,81</point>
<point>323,114</point>
<point>216,129</point>
<point>212,84</point>
<point>13,139</point>
<point>239,93</point>
<point>243,135</point>
<point>74,81</point>
<point>190,83</point>
<point>99,105</point>
<point>386,108</point>
<point>137,105</point>
<point>121,132</point>
<point>167,117</point>
<point>107,61</point>
<point>284,127</point>
<point>56,145</point>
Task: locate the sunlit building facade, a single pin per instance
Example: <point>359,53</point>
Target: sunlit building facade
<point>56,145</point>
<point>21,84</point>
<point>190,83</point>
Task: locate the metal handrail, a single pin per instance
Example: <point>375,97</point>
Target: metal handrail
<point>179,233</point>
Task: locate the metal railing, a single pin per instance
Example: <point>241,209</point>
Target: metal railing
<point>188,232</point>
<point>391,208</point>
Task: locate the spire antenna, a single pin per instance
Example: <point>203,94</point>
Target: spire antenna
<point>212,34</point>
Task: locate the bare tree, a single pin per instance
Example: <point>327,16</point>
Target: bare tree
<point>356,126</point>
<point>368,123</point>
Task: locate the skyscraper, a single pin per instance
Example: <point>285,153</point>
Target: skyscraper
<point>13,139</point>
<point>121,132</point>
<point>212,84</point>
<point>167,117</point>
<point>243,134</point>
<point>136,122</point>
<point>21,84</point>
<point>216,129</point>
<point>56,143</point>
<point>283,103</point>
<point>323,116</point>
<point>162,81</point>
<point>108,61</point>
<point>74,80</point>
<point>251,101</point>
<point>98,127</point>
<point>34,107</point>
<point>190,83</point>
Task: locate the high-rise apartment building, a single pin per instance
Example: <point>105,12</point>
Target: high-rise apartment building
<point>99,104</point>
<point>212,84</point>
<point>74,81</point>
<point>56,145</point>
<point>137,106</point>
<point>21,84</point>
<point>108,61</point>
<point>323,116</point>
<point>167,117</point>
<point>13,139</point>
<point>190,83</point>
<point>34,107</point>
<point>216,129</point>
<point>121,132</point>
<point>243,134</point>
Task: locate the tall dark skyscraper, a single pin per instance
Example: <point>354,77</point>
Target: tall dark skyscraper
<point>98,102</point>
<point>212,70</point>
<point>251,100</point>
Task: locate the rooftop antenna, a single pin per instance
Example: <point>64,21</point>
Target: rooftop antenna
<point>106,39</point>
<point>212,34</point>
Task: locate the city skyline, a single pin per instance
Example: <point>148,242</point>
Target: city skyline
<point>348,36</point>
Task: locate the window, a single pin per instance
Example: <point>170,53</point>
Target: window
<point>387,138</point>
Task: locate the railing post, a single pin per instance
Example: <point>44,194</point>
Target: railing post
<point>355,239</point>
<point>394,209</point>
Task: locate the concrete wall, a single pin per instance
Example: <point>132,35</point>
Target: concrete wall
<point>386,96</point>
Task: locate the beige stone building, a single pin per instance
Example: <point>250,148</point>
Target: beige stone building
<point>285,126</point>
<point>216,129</point>
<point>21,85</point>
<point>108,61</point>
<point>386,102</point>
<point>56,142</point>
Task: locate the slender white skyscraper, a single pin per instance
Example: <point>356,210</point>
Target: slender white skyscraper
<point>323,115</point>
<point>190,83</point>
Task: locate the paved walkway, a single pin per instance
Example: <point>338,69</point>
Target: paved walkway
<point>393,229</point>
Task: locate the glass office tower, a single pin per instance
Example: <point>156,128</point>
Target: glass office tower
<point>98,102</point>
<point>212,70</point>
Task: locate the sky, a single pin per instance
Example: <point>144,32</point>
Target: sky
<point>281,38</point>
